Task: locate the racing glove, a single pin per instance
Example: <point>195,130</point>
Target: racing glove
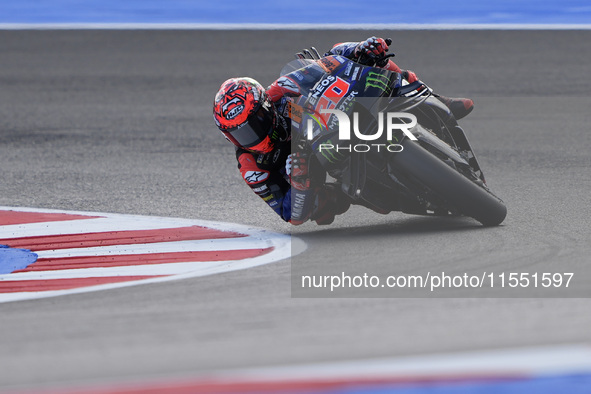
<point>372,48</point>
<point>296,168</point>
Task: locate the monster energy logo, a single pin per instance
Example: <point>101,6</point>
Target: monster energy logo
<point>376,80</point>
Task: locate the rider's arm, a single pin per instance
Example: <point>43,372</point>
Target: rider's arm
<point>271,186</point>
<point>302,192</point>
<point>346,49</point>
<point>350,51</point>
<point>284,86</point>
<point>278,193</point>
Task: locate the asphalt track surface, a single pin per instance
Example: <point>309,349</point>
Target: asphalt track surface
<point>120,121</point>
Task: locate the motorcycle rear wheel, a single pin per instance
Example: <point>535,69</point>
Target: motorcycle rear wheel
<point>459,192</point>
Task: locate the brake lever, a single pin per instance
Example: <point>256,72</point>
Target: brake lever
<point>381,62</point>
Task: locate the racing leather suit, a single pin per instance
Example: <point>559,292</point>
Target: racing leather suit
<point>266,173</point>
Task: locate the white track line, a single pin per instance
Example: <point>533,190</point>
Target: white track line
<point>132,220</point>
<point>197,268</point>
<point>283,247</point>
<point>532,361</point>
<point>80,226</point>
<point>206,245</point>
<point>292,26</point>
<point>512,363</point>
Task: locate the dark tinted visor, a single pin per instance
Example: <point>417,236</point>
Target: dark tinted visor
<point>254,131</point>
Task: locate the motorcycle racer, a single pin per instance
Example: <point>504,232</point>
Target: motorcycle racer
<point>256,121</point>
<point>257,126</point>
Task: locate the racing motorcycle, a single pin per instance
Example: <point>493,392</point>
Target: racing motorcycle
<point>417,161</point>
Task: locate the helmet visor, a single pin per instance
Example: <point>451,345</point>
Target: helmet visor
<point>258,126</point>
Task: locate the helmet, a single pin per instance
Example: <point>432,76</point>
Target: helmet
<point>243,112</point>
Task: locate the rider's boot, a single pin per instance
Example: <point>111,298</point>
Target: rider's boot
<point>459,107</point>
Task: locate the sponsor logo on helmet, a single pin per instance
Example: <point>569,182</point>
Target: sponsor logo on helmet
<point>233,108</point>
<point>235,112</point>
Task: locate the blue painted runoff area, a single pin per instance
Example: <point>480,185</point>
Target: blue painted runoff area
<point>571,384</point>
<point>296,12</point>
<point>15,259</point>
